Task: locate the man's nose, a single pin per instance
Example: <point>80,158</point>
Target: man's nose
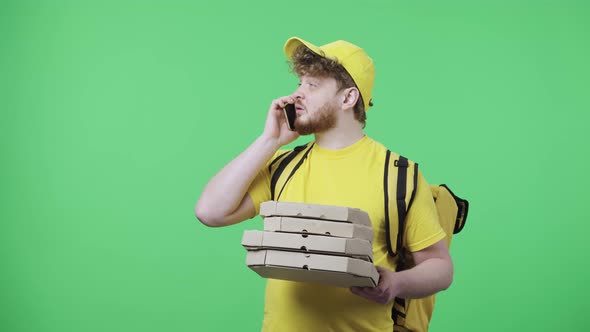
<point>298,95</point>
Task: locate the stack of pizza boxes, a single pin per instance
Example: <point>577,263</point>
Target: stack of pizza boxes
<point>313,243</point>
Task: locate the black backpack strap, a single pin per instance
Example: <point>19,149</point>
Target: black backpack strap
<point>276,159</point>
<point>386,197</point>
<point>401,165</point>
<point>399,304</point>
<point>398,311</point>
<point>283,164</point>
<point>402,210</point>
<point>400,197</point>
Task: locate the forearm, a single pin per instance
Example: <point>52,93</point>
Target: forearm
<point>425,279</point>
<point>224,192</point>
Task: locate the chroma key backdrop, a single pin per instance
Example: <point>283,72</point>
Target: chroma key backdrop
<point>114,115</point>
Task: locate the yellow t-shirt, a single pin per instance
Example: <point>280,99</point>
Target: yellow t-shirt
<point>351,177</point>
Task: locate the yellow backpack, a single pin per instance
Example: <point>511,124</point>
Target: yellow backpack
<point>399,174</point>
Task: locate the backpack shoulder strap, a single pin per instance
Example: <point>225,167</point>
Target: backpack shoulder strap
<point>288,160</point>
<point>401,175</point>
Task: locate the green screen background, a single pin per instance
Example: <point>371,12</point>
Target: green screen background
<point>114,115</point>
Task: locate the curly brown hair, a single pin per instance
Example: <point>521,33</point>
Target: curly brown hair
<point>306,62</point>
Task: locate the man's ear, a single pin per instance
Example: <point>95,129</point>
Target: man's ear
<point>349,97</point>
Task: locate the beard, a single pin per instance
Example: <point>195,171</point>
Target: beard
<point>317,122</point>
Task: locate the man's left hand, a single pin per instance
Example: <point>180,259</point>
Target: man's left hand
<point>385,291</point>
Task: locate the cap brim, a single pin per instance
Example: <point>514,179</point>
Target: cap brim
<point>294,42</point>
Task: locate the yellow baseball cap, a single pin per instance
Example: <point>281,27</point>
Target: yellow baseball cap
<point>353,58</point>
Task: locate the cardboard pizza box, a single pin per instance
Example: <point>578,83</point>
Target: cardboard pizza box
<point>337,271</point>
<point>359,248</point>
<point>315,211</point>
<point>318,227</point>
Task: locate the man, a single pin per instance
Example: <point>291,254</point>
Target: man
<point>344,167</point>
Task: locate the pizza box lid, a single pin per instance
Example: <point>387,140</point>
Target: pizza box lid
<point>336,271</point>
<point>318,227</point>
<point>359,248</point>
<point>315,211</point>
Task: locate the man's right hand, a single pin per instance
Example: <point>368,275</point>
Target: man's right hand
<point>225,200</point>
<point>276,124</point>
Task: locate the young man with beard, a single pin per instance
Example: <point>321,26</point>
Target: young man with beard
<point>344,167</point>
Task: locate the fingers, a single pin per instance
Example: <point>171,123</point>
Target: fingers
<point>382,293</point>
<point>369,291</point>
<point>281,102</point>
<point>381,269</point>
<point>375,294</point>
<point>276,123</point>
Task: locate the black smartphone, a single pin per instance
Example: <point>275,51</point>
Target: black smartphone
<point>290,115</point>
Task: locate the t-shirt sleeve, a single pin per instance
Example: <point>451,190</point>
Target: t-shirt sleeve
<point>422,228</point>
<point>259,189</point>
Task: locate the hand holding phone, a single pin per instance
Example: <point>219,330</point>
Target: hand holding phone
<point>290,115</point>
